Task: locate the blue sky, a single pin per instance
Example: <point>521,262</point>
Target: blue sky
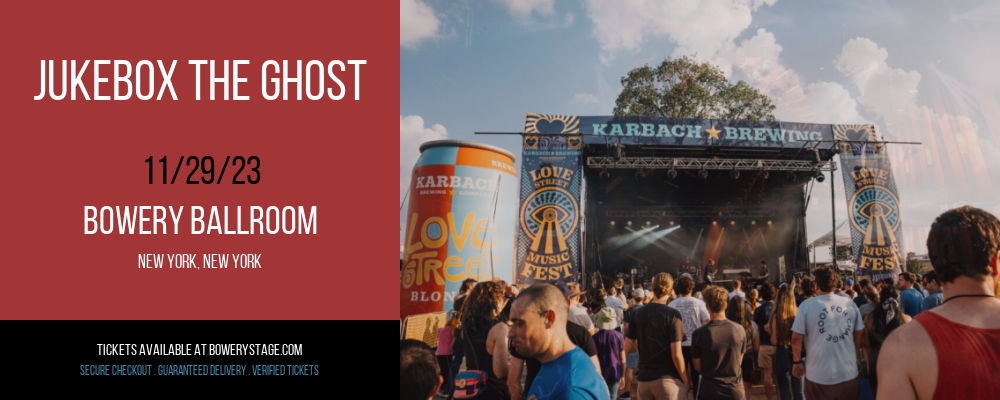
<point>919,70</point>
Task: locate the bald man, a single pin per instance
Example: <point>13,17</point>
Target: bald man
<point>538,330</point>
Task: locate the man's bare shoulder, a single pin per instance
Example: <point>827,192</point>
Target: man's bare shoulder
<point>908,362</point>
<point>910,333</point>
<point>499,329</point>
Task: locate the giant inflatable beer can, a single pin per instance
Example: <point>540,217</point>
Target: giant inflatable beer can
<point>459,223</point>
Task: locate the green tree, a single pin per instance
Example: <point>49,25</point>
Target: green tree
<point>684,88</point>
<point>917,266</point>
<point>844,253</point>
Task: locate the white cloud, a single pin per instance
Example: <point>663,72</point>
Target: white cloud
<point>411,134</point>
<point>758,3</point>
<point>584,98</point>
<point>705,27</point>
<point>883,89</point>
<point>709,31</point>
<point>953,155</point>
<point>523,8</point>
<point>417,23</point>
<point>758,55</point>
<point>830,103</point>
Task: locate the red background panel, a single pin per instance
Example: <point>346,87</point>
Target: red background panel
<point>59,156</point>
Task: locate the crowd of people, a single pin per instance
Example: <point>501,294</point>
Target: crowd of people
<point>817,337</point>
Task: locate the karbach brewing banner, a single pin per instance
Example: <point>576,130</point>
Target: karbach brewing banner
<point>453,232</point>
<point>681,131</point>
<point>550,216</point>
<point>873,201</point>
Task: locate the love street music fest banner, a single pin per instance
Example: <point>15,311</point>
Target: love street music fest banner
<point>873,201</point>
<point>550,216</point>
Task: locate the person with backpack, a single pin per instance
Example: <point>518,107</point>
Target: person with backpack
<point>484,335</point>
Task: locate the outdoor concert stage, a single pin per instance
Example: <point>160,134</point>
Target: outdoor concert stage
<point>652,206</point>
<point>602,196</point>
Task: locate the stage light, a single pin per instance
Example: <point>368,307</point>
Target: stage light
<point>790,177</point>
<point>672,174</point>
<point>630,223</point>
<point>647,223</point>
<point>732,222</point>
<point>769,222</point>
<point>605,175</point>
<point>734,174</point>
<point>820,178</point>
<point>764,174</point>
<point>639,175</point>
<point>703,174</point>
<point>671,223</point>
<point>612,223</point>
<point>753,222</point>
<point>714,223</point>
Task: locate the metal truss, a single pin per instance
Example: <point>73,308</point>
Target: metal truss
<point>734,214</point>
<point>710,163</point>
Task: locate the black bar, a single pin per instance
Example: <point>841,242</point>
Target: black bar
<point>866,141</point>
<point>833,212</point>
<point>64,352</point>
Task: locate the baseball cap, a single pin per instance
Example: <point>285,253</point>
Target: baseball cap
<point>850,282</point>
<point>565,289</point>
<point>639,294</point>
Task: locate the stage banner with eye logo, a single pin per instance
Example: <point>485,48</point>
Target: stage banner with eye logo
<point>873,200</point>
<point>550,215</point>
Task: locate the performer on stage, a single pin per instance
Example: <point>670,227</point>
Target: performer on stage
<point>688,268</point>
<point>763,272</point>
<point>708,272</point>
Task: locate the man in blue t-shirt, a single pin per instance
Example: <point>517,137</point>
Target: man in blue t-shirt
<point>910,299</point>
<point>538,330</point>
<point>937,297</point>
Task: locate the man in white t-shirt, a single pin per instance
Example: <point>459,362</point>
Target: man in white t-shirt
<point>694,314</point>
<point>737,285</point>
<point>830,326</point>
<point>577,313</point>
